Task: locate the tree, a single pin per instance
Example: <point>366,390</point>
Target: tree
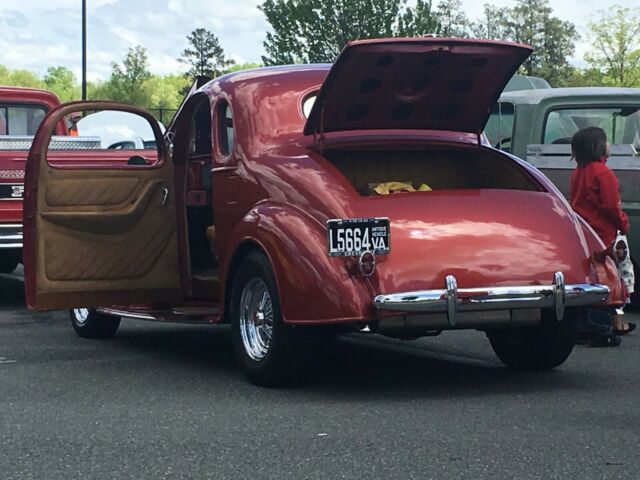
<point>615,38</point>
<point>493,23</point>
<point>454,22</point>
<point>204,55</point>
<point>126,81</point>
<point>63,83</point>
<point>531,22</point>
<point>317,30</point>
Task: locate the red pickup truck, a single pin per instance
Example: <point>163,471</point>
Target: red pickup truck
<point>21,111</point>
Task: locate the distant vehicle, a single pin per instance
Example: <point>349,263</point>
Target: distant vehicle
<point>21,112</point>
<point>537,125</point>
<point>525,82</point>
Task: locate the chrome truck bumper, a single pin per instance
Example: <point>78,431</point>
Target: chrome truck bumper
<point>10,236</point>
<point>504,302</point>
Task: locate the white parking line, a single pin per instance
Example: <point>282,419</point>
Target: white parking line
<point>6,360</point>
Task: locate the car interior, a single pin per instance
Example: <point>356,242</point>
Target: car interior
<point>197,144</point>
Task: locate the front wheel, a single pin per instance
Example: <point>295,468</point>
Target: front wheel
<point>89,323</point>
<point>8,264</point>
<point>542,347</point>
<point>268,351</point>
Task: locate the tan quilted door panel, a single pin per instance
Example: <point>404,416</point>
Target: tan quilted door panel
<point>105,237</point>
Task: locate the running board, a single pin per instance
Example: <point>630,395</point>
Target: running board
<point>195,315</point>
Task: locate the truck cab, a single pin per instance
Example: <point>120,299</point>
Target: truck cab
<point>21,112</point>
<point>537,125</point>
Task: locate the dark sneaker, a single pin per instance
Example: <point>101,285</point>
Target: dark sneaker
<point>604,341</point>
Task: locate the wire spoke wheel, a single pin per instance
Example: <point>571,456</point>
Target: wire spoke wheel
<point>256,319</point>
<point>81,315</point>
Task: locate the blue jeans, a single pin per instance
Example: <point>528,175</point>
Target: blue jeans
<point>594,321</point>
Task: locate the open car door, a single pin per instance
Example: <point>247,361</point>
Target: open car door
<point>99,213</point>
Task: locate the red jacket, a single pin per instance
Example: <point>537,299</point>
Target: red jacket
<point>595,196</point>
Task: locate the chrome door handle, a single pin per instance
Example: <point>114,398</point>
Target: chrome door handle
<point>165,195</point>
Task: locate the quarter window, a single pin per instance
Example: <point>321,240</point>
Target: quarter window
<point>225,128</point>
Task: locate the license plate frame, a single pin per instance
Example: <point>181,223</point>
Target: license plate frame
<point>376,239</point>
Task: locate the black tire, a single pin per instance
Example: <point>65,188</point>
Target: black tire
<point>89,323</point>
<point>281,361</point>
<point>542,347</point>
<point>8,264</point>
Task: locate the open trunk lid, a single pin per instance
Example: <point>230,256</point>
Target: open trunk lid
<point>414,83</point>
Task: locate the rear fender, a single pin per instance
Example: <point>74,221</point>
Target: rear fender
<point>313,287</point>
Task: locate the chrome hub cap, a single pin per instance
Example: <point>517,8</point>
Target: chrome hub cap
<point>81,315</point>
<point>256,319</point>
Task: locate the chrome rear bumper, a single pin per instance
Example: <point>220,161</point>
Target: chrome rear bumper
<point>10,235</point>
<point>452,300</point>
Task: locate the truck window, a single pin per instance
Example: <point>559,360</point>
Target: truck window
<point>20,120</point>
<point>499,128</point>
<point>621,124</point>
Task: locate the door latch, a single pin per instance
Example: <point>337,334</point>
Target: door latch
<point>165,195</point>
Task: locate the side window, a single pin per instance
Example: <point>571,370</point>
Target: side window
<point>110,138</point>
<point>225,128</point>
<point>499,128</point>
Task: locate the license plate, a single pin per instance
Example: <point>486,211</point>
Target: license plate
<point>11,191</point>
<point>354,236</point>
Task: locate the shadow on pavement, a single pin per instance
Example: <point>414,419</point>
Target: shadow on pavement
<point>11,290</point>
<point>358,368</point>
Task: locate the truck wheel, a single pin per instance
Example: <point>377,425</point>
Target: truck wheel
<point>89,323</point>
<point>268,351</point>
<point>542,347</point>
<point>8,264</point>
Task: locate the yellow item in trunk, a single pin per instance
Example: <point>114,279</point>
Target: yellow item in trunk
<point>393,187</point>
<point>398,187</point>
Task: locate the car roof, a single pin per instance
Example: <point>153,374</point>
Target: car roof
<point>265,72</point>
<point>570,93</point>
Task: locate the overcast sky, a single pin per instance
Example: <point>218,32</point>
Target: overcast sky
<point>36,34</point>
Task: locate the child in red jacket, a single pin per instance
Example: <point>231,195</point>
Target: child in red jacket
<point>595,197</point>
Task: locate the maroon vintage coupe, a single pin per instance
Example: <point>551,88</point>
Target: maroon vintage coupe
<point>292,202</point>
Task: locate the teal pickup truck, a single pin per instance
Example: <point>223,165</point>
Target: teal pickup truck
<point>537,125</point>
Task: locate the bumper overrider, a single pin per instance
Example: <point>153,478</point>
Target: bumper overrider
<point>455,302</point>
<point>10,236</point>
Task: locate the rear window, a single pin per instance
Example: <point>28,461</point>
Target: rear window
<point>499,128</point>
<point>20,119</point>
<point>621,124</point>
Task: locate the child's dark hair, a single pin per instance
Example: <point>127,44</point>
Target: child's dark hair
<point>589,145</point>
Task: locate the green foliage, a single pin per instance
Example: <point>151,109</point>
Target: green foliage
<point>615,39</point>
<point>126,81</point>
<point>531,22</point>
<point>454,22</point>
<point>317,30</point>
<point>244,66</point>
<point>19,78</point>
<point>204,55</point>
<point>589,77</point>
<point>63,83</point>
<point>493,24</point>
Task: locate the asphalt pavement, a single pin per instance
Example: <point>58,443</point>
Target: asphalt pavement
<point>167,401</point>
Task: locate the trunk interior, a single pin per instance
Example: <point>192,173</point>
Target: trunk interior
<point>440,168</point>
